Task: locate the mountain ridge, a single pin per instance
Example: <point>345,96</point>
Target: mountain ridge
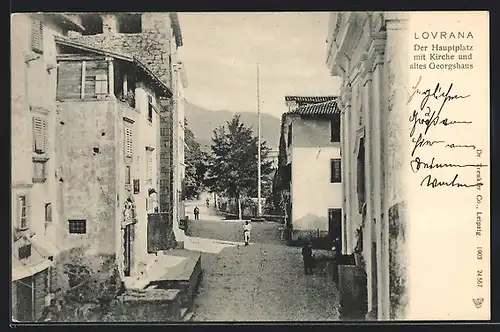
<point>202,122</point>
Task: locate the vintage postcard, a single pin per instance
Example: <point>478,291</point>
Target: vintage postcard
<point>248,167</point>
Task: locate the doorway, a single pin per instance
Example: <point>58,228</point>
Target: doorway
<point>335,224</point>
<point>127,246</point>
<point>25,299</point>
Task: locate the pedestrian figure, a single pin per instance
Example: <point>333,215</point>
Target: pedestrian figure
<point>208,202</point>
<point>307,257</point>
<point>51,312</point>
<point>196,213</point>
<point>247,228</point>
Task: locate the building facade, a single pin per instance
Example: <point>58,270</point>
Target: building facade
<point>34,185</point>
<point>93,117</point>
<point>367,51</point>
<point>310,167</point>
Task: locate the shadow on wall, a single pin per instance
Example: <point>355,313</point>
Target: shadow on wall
<point>311,222</point>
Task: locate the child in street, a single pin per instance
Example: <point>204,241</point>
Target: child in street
<point>247,228</point>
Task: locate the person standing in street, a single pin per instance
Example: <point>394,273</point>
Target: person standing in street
<point>247,228</point>
<point>196,213</point>
<point>307,257</point>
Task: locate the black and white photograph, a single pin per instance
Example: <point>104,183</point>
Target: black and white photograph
<point>196,167</point>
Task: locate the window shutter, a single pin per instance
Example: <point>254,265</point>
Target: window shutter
<point>101,84</point>
<point>39,135</point>
<point>128,142</point>
<point>37,36</point>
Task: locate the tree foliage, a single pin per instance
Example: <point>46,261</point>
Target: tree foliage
<point>195,160</point>
<point>232,167</point>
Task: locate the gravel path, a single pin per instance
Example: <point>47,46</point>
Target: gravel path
<point>261,282</point>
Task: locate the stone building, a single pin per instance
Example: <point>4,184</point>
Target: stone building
<point>95,115</point>
<point>34,187</point>
<point>367,50</point>
<point>309,167</point>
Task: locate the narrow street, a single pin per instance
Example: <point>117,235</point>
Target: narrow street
<point>261,282</point>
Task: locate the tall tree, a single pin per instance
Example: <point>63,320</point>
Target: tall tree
<point>232,167</point>
<point>195,160</point>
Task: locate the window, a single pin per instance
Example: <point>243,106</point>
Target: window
<point>127,174</point>
<point>39,135</point>
<point>39,173</point>
<point>24,251</point>
<point>150,108</point>
<point>335,128</point>
<point>48,212</point>
<point>101,84</point>
<point>128,146</point>
<point>335,176</point>
<point>77,226</point>
<point>149,166</point>
<point>22,206</point>
<point>289,134</point>
<point>129,23</point>
<point>37,36</point>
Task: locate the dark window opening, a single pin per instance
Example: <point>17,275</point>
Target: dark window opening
<point>150,109</point>
<point>335,128</point>
<point>129,23</point>
<point>24,251</point>
<point>289,140</point>
<point>335,176</point>
<point>77,226</point>
<point>48,212</point>
<point>92,24</point>
<point>361,174</point>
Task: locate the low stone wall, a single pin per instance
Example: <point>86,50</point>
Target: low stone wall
<point>320,240</point>
<point>151,305</point>
<point>188,286</point>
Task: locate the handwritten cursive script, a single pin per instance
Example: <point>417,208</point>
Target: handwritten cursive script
<point>436,93</point>
<point>431,182</point>
<point>416,164</point>
<point>421,142</point>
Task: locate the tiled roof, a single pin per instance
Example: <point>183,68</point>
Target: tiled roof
<point>310,99</point>
<point>326,108</point>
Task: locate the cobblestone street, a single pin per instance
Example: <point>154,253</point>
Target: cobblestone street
<point>261,282</point>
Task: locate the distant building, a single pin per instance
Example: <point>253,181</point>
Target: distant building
<point>309,171</point>
<point>272,156</point>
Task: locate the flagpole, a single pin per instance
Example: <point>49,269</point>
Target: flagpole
<point>259,207</point>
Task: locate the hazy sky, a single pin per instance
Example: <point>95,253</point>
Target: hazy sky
<point>221,51</point>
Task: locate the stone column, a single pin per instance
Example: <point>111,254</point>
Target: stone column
<point>111,77</point>
<point>366,77</point>
<point>346,95</point>
<point>375,55</point>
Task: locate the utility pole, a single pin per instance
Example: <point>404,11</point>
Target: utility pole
<point>259,205</point>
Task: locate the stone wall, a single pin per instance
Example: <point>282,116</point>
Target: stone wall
<point>87,173</point>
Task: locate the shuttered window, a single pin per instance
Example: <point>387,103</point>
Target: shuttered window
<point>37,36</point>
<point>101,84</point>
<point>128,146</point>
<point>22,208</point>
<point>335,176</point>
<point>127,175</point>
<point>39,135</point>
